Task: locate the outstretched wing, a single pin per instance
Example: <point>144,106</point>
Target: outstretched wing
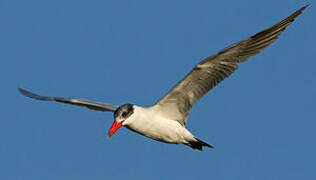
<point>211,71</point>
<point>74,101</point>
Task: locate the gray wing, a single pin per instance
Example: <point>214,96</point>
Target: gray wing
<point>211,71</point>
<point>74,101</point>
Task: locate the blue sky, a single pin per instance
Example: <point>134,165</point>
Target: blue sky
<point>261,120</point>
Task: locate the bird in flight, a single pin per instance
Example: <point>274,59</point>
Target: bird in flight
<point>165,121</point>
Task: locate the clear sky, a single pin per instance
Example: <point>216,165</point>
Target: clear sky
<point>261,120</point>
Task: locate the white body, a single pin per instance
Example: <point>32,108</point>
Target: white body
<point>151,123</point>
<point>165,121</point>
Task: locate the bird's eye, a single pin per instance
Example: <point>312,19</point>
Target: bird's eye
<point>124,114</point>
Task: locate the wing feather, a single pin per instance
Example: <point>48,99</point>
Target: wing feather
<point>73,101</point>
<point>214,69</point>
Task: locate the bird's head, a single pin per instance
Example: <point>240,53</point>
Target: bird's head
<point>121,115</point>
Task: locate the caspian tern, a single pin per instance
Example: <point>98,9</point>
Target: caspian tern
<point>165,121</point>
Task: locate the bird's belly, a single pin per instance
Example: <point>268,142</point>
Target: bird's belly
<point>163,130</point>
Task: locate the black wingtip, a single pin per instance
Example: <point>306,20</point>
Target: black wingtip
<point>25,92</point>
<point>32,95</point>
<point>298,12</point>
<point>304,7</point>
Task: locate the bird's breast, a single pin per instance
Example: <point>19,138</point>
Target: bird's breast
<point>159,128</point>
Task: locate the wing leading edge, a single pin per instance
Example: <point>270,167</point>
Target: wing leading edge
<point>214,69</point>
<point>74,101</point>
